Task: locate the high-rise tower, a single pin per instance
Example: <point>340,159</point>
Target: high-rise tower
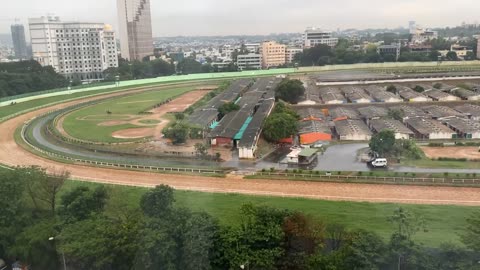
<point>135,27</point>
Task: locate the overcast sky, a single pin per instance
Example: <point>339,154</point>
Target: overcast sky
<point>223,17</point>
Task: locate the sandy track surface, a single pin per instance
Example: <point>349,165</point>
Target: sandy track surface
<point>12,154</point>
<point>470,153</point>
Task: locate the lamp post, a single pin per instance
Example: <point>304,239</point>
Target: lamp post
<point>63,253</point>
<point>117,80</point>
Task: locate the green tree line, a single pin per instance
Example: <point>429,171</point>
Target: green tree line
<point>18,78</point>
<point>92,228</point>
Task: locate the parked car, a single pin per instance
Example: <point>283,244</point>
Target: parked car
<point>379,163</point>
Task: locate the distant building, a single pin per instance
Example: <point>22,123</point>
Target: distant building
<point>411,96</point>
<point>422,35</point>
<point>393,49</point>
<point>19,43</point>
<point>412,26</point>
<point>135,26</point>
<point>249,61</point>
<point>290,54</point>
<point>77,50</point>
<point>314,36</point>
<point>273,54</point>
<point>252,47</point>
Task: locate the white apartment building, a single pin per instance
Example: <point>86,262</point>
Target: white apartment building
<point>315,36</point>
<point>76,50</point>
<point>423,35</point>
<point>249,61</point>
<point>290,54</point>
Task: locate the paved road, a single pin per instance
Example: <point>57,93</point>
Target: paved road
<point>12,154</point>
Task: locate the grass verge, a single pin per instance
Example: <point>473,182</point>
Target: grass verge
<point>444,223</point>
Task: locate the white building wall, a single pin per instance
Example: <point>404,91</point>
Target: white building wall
<point>440,136</point>
<point>73,49</point>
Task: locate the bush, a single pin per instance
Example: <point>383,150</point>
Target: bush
<point>272,169</point>
<point>360,173</point>
<point>370,173</point>
<point>452,159</point>
<point>436,144</point>
<point>263,170</point>
<point>445,174</point>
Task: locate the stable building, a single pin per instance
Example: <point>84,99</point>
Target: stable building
<point>438,95</point>
<point>410,112</point>
<point>311,114</point>
<point>343,113</point>
<point>331,95</point>
<point>466,94</point>
<point>441,112</point>
<point>380,95</point>
<point>352,130</point>
<point>411,96</point>
<point>470,111</point>
<point>430,129</point>
<point>356,95</point>
<point>372,112</point>
<point>312,131</point>
<point>400,130</point>
<point>247,146</point>
<point>466,128</point>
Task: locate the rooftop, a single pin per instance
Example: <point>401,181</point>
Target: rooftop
<point>371,112</point>
<point>464,125</point>
<point>390,124</point>
<point>344,112</point>
<point>313,126</point>
<point>351,127</point>
<point>439,112</point>
<point>428,126</point>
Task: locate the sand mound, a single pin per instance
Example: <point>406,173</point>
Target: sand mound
<point>133,133</point>
<point>112,123</point>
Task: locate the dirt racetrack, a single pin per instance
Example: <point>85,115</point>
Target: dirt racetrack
<point>13,155</point>
<point>133,133</point>
<point>470,153</point>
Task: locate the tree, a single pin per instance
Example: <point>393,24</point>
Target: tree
<point>102,242</point>
<point>438,85</point>
<point>256,242</point>
<point>452,56</point>
<point>397,114</point>
<point>279,126</point>
<point>471,236</point>
<point>82,202</point>
<point>189,66</point>
<point>178,132</point>
<point>317,56</point>
<point>364,250</point>
<point>157,202</point>
<point>226,108</point>
<point>201,149</point>
<point>161,68</point>
<point>383,142</point>
<point>419,89</point>
<point>392,89</point>
<point>290,90</point>
<point>179,116</point>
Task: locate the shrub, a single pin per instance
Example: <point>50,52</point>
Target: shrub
<point>272,169</point>
<point>360,173</point>
<point>445,174</point>
<point>317,172</point>
<point>263,170</point>
<point>370,173</point>
<point>436,144</point>
<point>339,173</point>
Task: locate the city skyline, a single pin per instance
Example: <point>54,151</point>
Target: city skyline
<point>208,18</point>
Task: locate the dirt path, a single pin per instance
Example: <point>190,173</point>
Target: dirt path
<point>12,154</point>
<point>470,153</point>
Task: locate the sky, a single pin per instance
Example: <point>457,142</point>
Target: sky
<point>251,17</point>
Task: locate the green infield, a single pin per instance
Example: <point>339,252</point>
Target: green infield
<point>444,223</point>
<point>97,122</point>
<point>150,121</point>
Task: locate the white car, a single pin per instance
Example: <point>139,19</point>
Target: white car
<point>379,163</point>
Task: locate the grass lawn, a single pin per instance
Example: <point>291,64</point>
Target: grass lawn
<point>429,163</point>
<point>149,121</point>
<point>444,223</point>
<point>88,129</point>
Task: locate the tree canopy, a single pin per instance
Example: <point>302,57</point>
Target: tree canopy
<point>290,90</point>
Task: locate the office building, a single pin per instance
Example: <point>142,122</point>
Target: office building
<point>273,54</point>
<point>249,61</point>
<point>76,50</point>
<point>19,43</point>
<point>252,47</point>
<point>290,54</point>
<point>135,27</point>
<point>412,27</point>
<point>314,36</point>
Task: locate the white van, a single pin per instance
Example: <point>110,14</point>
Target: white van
<point>379,163</point>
